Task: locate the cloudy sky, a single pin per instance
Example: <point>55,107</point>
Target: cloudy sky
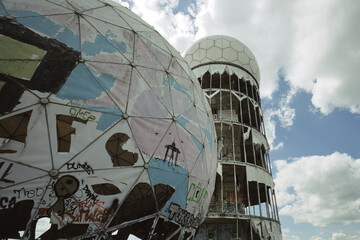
<point>309,57</point>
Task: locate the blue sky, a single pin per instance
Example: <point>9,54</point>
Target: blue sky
<point>309,57</point>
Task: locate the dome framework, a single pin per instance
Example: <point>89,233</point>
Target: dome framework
<point>243,205</point>
<point>104,129</point>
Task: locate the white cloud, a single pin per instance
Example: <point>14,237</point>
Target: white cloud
<point>278,146</point>
<point>321,190</point>
<point>177,28</point>
<point>287,235</point>
<point>270,126</point>
<point>316,238</point>
<point>326,49</point>
<point>42,225</point>
<point>125,4</point>
<point>338,236</point>
<point>132,237</point>
<point>332,93</point>
<point>285,113</point>
<point>281,112</point>
<point>343,236</point>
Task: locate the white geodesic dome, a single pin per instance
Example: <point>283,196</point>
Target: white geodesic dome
<point>103,126</point>
<point>219,49</point>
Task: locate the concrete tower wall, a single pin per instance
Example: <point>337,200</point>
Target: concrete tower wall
<point>244,204</point>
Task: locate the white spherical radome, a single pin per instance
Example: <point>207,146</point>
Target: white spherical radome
<point>222,49</point>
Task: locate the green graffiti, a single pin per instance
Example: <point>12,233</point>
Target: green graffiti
<point>196,193</point>
<point>81,113</point>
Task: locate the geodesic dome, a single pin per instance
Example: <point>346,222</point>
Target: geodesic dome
<point>219,49</point>
<point>103,126</point>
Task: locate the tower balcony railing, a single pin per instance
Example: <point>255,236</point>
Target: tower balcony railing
<point>228,209</point>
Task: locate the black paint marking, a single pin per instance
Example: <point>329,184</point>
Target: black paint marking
<point>49,76</point>
<point>7,172</point>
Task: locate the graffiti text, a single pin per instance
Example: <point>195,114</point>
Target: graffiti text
<point>89,194</point>
<point>81,113</point>
<point>182,216</point>
<point>196,193</point>
<point>89,170</point>
<point>5,202</point>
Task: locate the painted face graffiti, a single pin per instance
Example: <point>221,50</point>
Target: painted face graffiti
<point>64,188</point>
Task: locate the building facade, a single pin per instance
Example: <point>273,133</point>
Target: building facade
<point>243,205</point>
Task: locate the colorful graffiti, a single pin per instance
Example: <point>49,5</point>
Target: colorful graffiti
<point>102,123</point>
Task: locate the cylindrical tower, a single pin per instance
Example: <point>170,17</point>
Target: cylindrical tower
<point>244,204</point>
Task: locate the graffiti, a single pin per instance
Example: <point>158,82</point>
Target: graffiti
<point>78,112</point>
<point>89,194</point>
<point>6,203</point>
<point>37,192</point>
<point>23,193</point>
<point>215,206</point>
<point>64,188</point>
<point>173,155</point>
<point>229,207</point>
<point>88,215</point>
<point>85,204</point>
<point>7,172</point>
<point>197,194</point>
<point>182,216</point>
<point>88,169</point>
<point>86,210</point>
<point>72,205</point>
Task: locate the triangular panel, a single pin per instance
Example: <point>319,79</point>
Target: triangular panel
<point>95,47</point>
<point>24,9</point>
<point>144,57</point>
<point>162,55</point>
<point>143,102</point>
<point>108,15</point>
<point>120,38</point>
<point>148,133</point>
<point>158,80</point>
<point>117,77</point>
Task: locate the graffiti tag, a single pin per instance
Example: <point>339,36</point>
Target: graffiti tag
<point>86,215</point>
<point>78,112</point>
<point>32,193</point>
<point>90,194</point>
<point>5,202</point>
<point>196,193</point>
<point>182,216</point>
<point>89,170</point>
<point>86,210</point>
